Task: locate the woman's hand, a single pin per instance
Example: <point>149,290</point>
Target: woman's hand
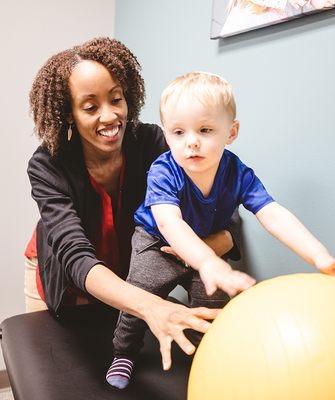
<point>221,242</point>
<point>169,250</point>
<point>167,321</point>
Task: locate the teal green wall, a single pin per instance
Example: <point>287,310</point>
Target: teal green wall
<point>284,84</point>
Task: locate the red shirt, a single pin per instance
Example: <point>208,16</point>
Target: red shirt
<point>112,242</point>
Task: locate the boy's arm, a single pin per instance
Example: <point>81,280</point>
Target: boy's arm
<point>214,272</point>
<point>283,225</point>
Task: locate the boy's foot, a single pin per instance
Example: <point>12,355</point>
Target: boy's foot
<point>119,373</point>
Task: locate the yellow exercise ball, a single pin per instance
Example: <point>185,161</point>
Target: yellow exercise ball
<point>275,341</point>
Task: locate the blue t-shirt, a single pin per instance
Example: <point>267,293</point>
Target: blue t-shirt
<point>234,184</point>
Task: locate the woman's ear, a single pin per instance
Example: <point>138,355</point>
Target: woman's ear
<point>69,119</point>
<point>233,131</point>
<point>69,129</point>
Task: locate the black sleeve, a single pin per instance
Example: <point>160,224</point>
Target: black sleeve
<point>65,236</point>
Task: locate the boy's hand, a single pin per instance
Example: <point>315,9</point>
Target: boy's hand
<point>217,274</point>
<point>325,263</point>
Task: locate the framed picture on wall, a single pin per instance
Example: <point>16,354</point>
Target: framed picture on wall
<point>231,17</point>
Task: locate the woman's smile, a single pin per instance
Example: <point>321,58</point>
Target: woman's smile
<point>110,132</point>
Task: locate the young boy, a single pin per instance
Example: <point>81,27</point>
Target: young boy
<point>192,192</point>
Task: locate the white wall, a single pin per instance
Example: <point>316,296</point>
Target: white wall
<point>31,31</point>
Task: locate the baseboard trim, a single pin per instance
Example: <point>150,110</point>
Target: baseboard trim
<point>4,381</point>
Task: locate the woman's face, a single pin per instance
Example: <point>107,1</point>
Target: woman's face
<point>99,109</point>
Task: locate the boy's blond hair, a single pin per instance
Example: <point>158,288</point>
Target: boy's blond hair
<point>210,89</point>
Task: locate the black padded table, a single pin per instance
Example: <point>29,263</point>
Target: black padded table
<point>66,358</point>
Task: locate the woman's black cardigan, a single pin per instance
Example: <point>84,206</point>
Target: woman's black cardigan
<point>70,208</point>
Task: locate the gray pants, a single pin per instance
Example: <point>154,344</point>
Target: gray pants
<point>158,273</point>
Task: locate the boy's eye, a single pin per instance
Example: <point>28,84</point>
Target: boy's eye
<point>178,132</point>
<point>205,130</point>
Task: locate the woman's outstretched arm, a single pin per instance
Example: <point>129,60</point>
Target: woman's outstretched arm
<point>165,319</point>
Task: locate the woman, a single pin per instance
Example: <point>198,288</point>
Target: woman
<point>88,177</point>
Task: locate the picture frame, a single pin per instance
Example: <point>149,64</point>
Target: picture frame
<point>232,17</point>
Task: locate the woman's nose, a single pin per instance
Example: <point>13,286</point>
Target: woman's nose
<point>108,114</point>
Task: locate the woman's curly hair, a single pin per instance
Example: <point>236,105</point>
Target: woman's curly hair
<point>50,100</point>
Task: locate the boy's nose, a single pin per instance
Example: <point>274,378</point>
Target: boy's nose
<point>192,140</point>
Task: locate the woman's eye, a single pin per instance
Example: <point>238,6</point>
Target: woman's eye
<point>117,100</point>
<point>90,108</point>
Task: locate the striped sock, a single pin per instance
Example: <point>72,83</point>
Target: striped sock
<point>120,372</point>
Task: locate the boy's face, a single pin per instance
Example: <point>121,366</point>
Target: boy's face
<point>197,134</point>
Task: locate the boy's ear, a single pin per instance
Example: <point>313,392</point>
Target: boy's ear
<point>233,131</point>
